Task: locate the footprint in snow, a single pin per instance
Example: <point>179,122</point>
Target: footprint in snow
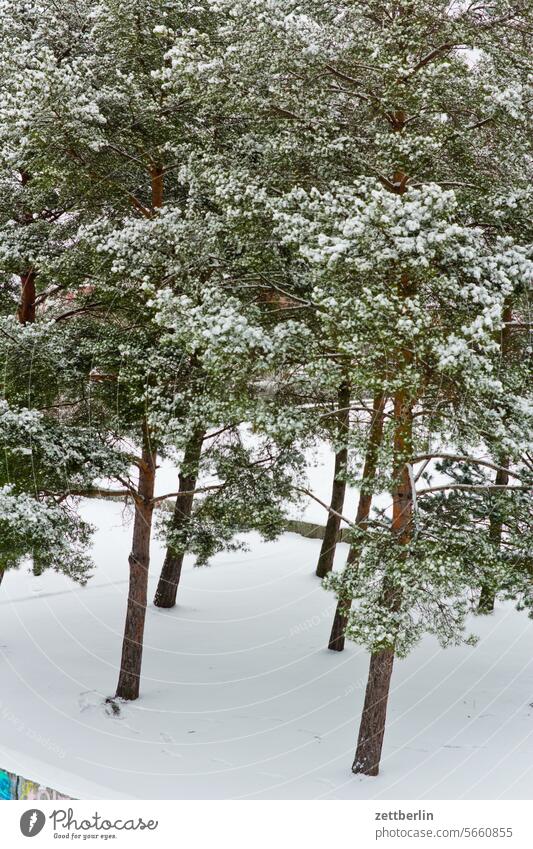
<point>166,738</point>
<point>90,699</point>
<point>171,754</point>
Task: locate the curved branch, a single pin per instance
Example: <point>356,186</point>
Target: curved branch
<point>460,459</point>
<point>467,487</point>
<point>357,525</point>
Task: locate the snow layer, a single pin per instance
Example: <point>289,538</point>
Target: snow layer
<point>240,697</point>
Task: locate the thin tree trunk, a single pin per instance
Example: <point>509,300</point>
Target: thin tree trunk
<point>167,587</point>
<point>375,436</point>
<point>337,637</point>
<point>372,728</point>
<point>139,562</point>
<point>329,543</point>
<point>487,598</point>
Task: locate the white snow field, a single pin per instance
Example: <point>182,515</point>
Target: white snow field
<point>240,697</point>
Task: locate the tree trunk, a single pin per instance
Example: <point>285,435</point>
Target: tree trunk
<point>329,543</point>
<point>157,176</point>
<point>26,310</point>
<point>167,587</point>
<point>139,562</point>
<point>487,596</point>
<point>375,436</point>
<point>337,637</point>
<point>139,559</point>
<point>372,728</point>
<point>487,599</point>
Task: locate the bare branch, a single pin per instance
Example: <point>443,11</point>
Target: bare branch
<point>467,487</point>
<point>97,492</point>
<point>285,113</point>
<point>478,124</point>
<point>147,213</point>
<point>422,469</point>
<point>348,79</point>
<point>433,54</point>
<point>198,491</point>
<point>460,459</point>
<point>361,525</point>
<point>78,311</point>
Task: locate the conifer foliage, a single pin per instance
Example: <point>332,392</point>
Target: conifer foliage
<point>235,229</point>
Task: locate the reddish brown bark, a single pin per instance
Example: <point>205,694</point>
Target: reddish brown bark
<point>338,491</point>
<point>139,559</point>
<point>139,562</point>
<point>372,728</point>
<point>371,731</point>
<point>375,436</point>
<point>26,310</point>
<point>157,177</point>
<point>169,579</point>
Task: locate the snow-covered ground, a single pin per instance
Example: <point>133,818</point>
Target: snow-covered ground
<point>240,697</point>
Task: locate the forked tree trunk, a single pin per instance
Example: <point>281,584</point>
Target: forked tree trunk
<point>169,579</point>
<point>372,728</point>
<point>329,543</point>
<point>487,598</point>
<point>375,436</point>
<point>139,562</point>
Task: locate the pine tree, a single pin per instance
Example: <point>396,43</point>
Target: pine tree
<point>129,151</point>
<point>425,117</point>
